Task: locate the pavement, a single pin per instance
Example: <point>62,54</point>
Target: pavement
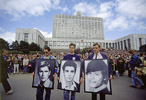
<point>22,86</point>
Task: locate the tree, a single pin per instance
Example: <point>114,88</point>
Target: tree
<point>142,48</point>
<point>23,45</point>
<point>34,47</point>
<point>3,44</point>
<point>86,50</point>
<point>15,46</point>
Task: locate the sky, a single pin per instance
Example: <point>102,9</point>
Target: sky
<point>121,17</point>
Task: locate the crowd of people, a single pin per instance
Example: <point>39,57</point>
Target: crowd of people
<point>119,61</point>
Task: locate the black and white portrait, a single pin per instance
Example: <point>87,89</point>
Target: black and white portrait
<point>97,76</point>
<point>44,70</point>
<point>70,73</point>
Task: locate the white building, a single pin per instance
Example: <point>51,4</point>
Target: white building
<point>59,43</point>
<point>132,41</point>
<point>78,27</point>
<point>83,31</point>
<point>30,35</point>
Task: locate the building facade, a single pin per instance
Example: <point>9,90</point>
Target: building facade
<point>81,30</point>
<point>132,41</point>
<point>78,27</point>
<point>30,35</point>
<point>58,43</point>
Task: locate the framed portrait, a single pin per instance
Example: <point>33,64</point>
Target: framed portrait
<point>70,74</point>
<point>97,76</point>
<point>43,75</point>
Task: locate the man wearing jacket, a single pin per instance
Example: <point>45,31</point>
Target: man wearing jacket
<point>4,75</point>
<point>98,55</point>
<point>71,56</point>
<point>40,90</point>
<point>135,78</point>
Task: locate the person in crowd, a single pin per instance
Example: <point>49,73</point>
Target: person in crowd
<point>25,63</point>
<point>10,67</point>
<point>144,72</point>
<point>98,55</point>
<point>44,75</point>
<point>135,78</point>
<point>16,64</point>
<point>69,72</point>
<point>111,63</point>
<point>71,56</point>
<point>40,90</point>
<point>4,75</point>
<point>97,77</point>
<point>30,64</point>
<point>120,64</point>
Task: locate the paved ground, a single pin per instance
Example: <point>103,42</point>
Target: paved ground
<point>21,84</point>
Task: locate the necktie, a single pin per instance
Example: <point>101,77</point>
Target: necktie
<point>96,56</point>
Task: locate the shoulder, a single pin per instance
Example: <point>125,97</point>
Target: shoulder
<point>76,55</point>
<point>42,56</point>
<point>104,56</point>
<point>76,86</point>
<point>90,56</point>
<point>48,83</point>
<point>65,57</point>
<point>52,57</point>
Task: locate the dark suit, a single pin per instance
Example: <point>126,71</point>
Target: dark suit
<point>94,95</point>
<point>4,75</point>
<point>76,88</point>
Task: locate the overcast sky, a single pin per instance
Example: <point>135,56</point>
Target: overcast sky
<point>121,17</point>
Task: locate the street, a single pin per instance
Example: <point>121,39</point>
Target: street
<point>22,86</point>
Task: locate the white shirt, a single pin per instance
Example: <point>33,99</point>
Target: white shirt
<point>25,62</point>
<point>64,86</point>
<point>99,56</point>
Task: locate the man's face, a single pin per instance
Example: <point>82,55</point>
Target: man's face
<point>95,79</point>
<point>5,52</point>
<point>69,73</point>
<point>72,49</point>
<point>96,49</point>
<point>44,73</point>
<point>46,52</point>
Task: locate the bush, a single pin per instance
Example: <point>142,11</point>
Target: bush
<point>35,52</point>
<point>25,51</point>
<point>14,52</point>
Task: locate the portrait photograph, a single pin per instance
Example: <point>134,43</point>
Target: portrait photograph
<point>97,76</point>
<point>43,75</point>
<point>70,73</point>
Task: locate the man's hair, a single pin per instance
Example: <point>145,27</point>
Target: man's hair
<point>96,44</point>
<point>98,66</point>
<point>44,64</point>
<point>72,44</point>
<point>48,48</point>
<point>131,51</point>
<point>69,64</point>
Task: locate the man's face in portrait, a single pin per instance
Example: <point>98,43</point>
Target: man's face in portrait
<point>95,78</point>
<point>44,73</point>
<point>69,73</point>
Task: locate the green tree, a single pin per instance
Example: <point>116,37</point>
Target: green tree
<point>34,47</point>
<point>3,44</point>
<point>15,46</point>
<point>142,48</point>
<point>24,45</point>
<point>85,50</point>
